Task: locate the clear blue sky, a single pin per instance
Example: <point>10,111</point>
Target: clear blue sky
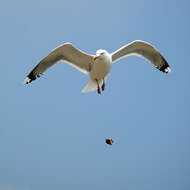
<point>53,137</point>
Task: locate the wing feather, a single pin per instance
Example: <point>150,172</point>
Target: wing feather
<point>142,49</point>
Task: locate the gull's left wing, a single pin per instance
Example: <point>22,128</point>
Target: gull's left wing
<point>145,50</point>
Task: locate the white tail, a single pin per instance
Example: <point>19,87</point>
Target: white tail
<point>91,86</point>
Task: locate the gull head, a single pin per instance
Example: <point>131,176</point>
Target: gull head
<point>101,54</point>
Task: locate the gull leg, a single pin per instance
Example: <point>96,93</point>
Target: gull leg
<point>103,85</point>
<point>98,87</point>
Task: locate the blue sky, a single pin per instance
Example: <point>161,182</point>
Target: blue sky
<point>53,137</point>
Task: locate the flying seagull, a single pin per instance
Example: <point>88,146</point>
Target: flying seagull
<point>97,67</point>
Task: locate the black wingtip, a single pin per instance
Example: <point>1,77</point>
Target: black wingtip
<point>30,78</point>
<point>165,68</point>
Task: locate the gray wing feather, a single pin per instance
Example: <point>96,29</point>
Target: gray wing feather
<point>143,49</point>
<point>66,53</point>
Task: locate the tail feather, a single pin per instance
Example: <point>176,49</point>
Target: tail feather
<point>91,86</point>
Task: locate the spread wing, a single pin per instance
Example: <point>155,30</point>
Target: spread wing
<point>142,49</point>
<point>66,53</point>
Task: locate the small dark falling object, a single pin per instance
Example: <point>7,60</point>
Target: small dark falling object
<point>109,141</point>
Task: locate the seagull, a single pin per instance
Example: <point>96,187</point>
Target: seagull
<point>97,66</point>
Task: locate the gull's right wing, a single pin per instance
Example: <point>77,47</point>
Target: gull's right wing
<point>66,53</point>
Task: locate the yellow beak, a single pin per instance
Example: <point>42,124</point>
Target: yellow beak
<point>95,57</point>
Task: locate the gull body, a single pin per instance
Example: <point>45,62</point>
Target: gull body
<point>100,69</point>
<point>97,67</point>
<point>101,66</point>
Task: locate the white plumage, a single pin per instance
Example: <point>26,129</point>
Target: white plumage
<point>98,66</point>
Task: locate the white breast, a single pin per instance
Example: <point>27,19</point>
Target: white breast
<point>100,69</point>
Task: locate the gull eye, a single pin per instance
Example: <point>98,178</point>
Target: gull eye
<point>102,53</point>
